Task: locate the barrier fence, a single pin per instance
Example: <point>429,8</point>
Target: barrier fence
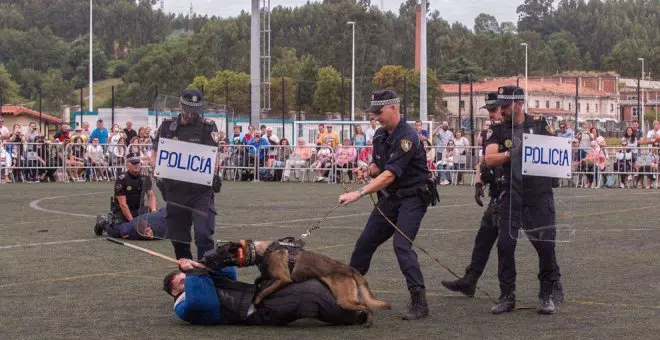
<point>625,167</point>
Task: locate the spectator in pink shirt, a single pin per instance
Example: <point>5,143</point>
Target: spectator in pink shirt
<point>366,153</point>
<point>345,158</point>
<point>298,159</point>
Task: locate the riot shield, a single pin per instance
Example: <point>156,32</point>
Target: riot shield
<point>182,174</point>
<point>540,202</point>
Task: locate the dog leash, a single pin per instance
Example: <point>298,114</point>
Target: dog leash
<point>317,224</point>
<point>434,258</point>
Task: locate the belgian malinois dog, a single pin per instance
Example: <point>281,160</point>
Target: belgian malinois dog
<point>348,286</point>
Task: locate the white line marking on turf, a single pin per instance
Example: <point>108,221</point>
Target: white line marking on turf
<point>35,204</point>
<point>48,243</point>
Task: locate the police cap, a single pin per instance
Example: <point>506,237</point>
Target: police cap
<point>382,98</point>
<point>507,94</point>
<point>133,158</point>
<point>491,101</point>
<point>192,101</point>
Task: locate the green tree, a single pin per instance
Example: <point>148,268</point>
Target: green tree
<point>200,82</point>
<point>328,90</point>
<point>239,90</point>
<point>8,88</point>
<point>307,81</point>
<point>486,23</point>
<point>391,77</point>
<point>77,63</point>
<point>623,57</point>
<point>56,91</point>
<point>276,95</point>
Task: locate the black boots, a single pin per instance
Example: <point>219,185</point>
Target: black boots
<point>418,307</point>
<point>99,226</point>
<point>506,303</point>
<point>465,285</point>
<point>549,292</point>
<point>507,300</point>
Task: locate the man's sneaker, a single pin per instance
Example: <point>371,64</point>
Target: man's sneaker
<point>505,304</point>
<point>100,223</point>
<point>418,307</point>
<point>546,305</point>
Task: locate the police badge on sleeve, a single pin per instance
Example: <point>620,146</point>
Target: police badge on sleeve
<point>406,145</point>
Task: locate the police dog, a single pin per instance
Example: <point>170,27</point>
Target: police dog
<point>348,286</point>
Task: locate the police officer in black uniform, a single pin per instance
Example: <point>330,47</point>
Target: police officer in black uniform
<point>487,234</point>
<point>130,188</point>
<point>192,203</point>
<point>401,179</point>
<point>526,202</point>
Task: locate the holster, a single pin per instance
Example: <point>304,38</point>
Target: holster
<point>117,217</point>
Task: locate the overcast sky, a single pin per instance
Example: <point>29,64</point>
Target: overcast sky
<point>463,11</point>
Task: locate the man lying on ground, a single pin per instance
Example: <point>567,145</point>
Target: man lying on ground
<point>209,293</point>
<point>143,227</point>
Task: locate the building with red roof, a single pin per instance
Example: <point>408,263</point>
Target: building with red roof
<point>553,97</point>
<point>23,116</point>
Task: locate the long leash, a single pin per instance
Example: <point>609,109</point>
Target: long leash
<point>434,258</point>
<point>317,224</point>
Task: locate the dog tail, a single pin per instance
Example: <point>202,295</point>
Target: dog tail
<point>365,293</point>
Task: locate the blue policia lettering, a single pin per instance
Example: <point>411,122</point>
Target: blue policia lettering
<point>188,163</point>
<point>546,156</point>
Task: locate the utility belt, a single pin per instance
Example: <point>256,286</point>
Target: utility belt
<point>427,191</point>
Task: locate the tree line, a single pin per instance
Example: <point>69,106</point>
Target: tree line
<point>43,47</point>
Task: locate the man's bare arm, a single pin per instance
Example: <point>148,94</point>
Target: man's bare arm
<point>124,208</point>
<point>495,158</point>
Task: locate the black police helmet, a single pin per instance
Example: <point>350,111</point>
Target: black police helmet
<point>508,94</point>
<point>382,98</point>
<point>133,158</point>
<point>192,100</point>
<point>491,101</point>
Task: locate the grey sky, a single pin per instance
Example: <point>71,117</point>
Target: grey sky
<point>463,11</point>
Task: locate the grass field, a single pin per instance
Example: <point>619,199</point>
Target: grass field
<point>67,283</point>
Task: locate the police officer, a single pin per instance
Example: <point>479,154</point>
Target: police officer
<point>130,188</point>
<point>526,202</point>
<point>401,179</point>
<point>487,234</point>
<point>189,203</point>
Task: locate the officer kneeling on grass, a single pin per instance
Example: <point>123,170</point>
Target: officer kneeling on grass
<point>130,188</point>
<point>209,293</point>
<point>401,179</point>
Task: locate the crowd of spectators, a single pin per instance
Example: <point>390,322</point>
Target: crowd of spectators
<point>78,156</point>
<point>98,154</point>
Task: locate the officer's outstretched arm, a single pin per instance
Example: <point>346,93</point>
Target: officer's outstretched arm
<point>494,157</point>
<point>152,200</point>
<point>379,183</point>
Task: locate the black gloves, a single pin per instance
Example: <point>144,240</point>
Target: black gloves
<point>479,193</point>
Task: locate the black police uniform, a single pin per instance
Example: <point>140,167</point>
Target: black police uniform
<point>487,233</point>
<point>526,202</point>
<point>134,188</point>
<point>197,197</point>
<point>403,202</point>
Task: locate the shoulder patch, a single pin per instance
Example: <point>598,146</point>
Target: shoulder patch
<point>489,133</point>
<point>508,143</point>
<point>122,176</point>
<point>406,145</point>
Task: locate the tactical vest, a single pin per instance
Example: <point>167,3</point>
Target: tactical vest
<point>135,195</point>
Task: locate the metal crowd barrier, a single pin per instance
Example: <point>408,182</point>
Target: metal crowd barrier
<point>452,169</point>
<point>281,160</point>
<point>32,162</point>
